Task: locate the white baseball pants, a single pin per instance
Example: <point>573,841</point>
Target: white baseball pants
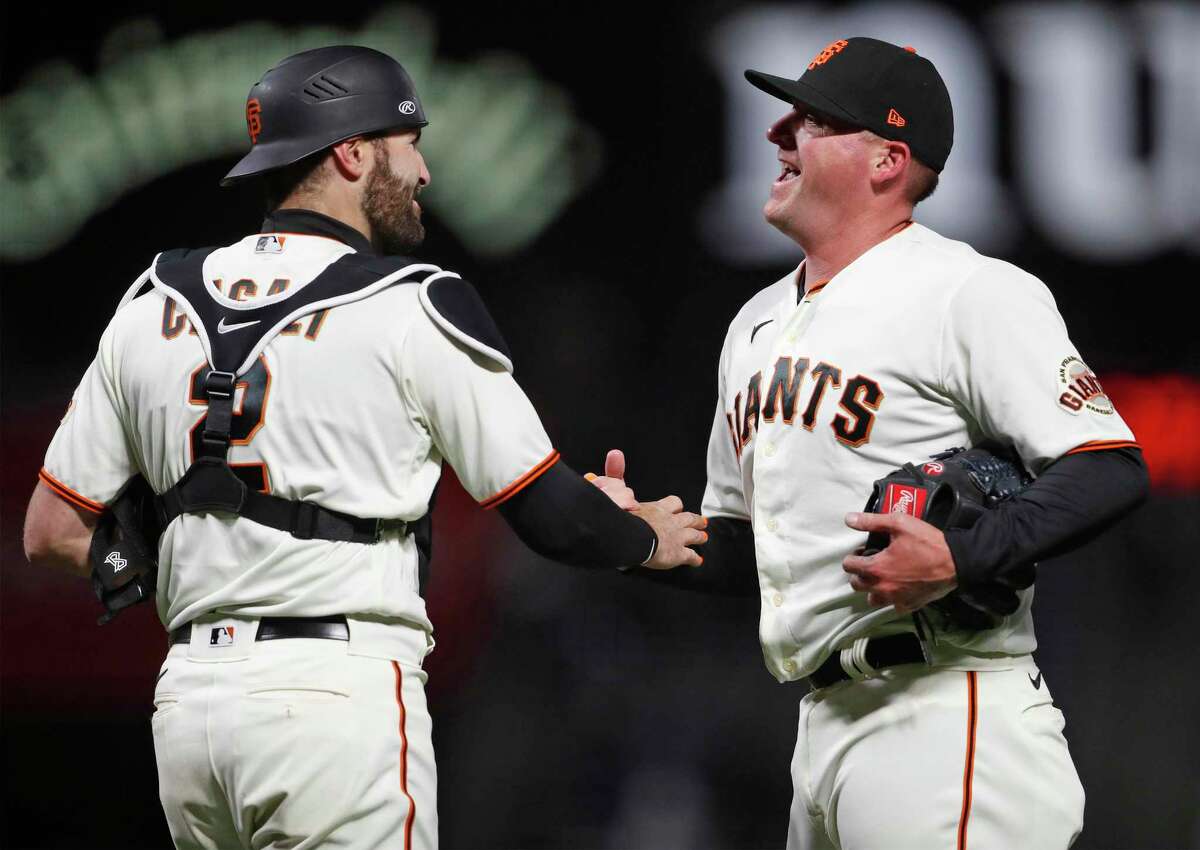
<point>941,759</point>
<point>294,743</point>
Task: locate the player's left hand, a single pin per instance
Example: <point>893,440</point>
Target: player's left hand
<point>913,570</point>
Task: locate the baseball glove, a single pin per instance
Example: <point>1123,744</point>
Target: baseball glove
<point>124,550</point>
<point>954,489</point>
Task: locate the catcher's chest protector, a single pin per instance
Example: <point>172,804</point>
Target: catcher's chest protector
<point>233,334</point>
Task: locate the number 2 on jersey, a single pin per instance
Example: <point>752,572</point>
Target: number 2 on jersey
<point>249,414</point>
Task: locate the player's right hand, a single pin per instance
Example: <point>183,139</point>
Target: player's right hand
<point>677,530</point>
<point>612,482</point>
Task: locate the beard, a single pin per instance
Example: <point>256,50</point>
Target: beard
<point>388,206</point>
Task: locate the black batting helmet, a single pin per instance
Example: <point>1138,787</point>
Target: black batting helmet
<point>320,97</point>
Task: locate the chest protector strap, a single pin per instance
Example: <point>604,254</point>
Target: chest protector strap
<point>233,334</point>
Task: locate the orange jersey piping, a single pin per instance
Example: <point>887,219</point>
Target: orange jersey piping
<point>67,494</point>
<point>521,483</point>
<point>1104,445</point>
<point>815,288</point>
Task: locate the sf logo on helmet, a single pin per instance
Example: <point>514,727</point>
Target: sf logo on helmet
<point>253,119</point>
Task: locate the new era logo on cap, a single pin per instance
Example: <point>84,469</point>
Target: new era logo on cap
<point>895,118</point>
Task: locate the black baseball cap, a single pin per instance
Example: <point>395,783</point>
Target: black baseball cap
<point>877,86</point>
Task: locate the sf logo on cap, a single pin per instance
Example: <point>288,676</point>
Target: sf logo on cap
<point>253,119</point>
<point>830,50</point>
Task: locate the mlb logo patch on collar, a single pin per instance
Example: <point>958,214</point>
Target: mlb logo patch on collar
<point>269,244</point>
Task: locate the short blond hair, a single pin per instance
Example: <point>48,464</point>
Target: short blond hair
<point>922,181</point>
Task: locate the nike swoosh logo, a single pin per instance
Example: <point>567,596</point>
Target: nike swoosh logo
<point>1037,683</point>
<point>223,328</point>
<point>759,327</point>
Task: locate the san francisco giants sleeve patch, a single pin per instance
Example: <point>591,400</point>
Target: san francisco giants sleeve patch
<point>1079,389</point>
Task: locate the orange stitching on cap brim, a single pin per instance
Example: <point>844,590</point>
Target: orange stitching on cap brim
<point>969,768</point>
<point>67,494</point>
<point>412,804</point>
<point>1104,445</point>
<point>521,483</point>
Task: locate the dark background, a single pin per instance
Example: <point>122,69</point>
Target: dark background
<point>575,710</point>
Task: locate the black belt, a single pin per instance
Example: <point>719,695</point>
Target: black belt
<point>881,652</point>
<point>277,628</point>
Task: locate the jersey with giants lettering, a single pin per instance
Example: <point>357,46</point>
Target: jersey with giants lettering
<point>919,345</point>
<point>353,408</point>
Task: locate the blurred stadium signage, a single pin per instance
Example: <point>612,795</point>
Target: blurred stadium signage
<point>1101,121</point>
<point>71,144</point>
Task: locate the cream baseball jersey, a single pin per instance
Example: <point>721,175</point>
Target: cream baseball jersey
<point>352,407</point>
<point>920,345</point>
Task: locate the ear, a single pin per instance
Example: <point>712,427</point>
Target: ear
<point>353,158</point>
<point>890,164</point>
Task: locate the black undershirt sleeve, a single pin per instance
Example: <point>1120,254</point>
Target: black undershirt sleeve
<point>563,517</point>
<point>1069,504</point>
<point>729,567</point>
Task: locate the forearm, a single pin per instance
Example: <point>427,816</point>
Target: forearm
<point>562,517</point>
<point>729,567</point>
<point>57,535</point>
<point>1072,501</point>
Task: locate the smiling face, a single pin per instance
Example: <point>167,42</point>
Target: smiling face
<point>825,171</point>
<point>389,197</point>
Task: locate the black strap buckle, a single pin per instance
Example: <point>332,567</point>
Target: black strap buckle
<point>220,384</point>
<point>219,388</point>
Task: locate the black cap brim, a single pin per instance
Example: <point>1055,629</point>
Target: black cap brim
<point>794,91</point>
